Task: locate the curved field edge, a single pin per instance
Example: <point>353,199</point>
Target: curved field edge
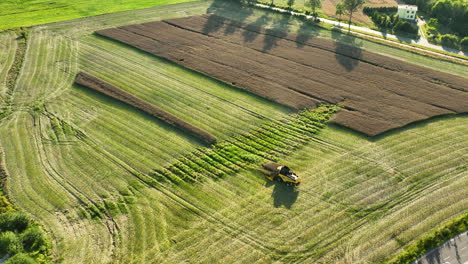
<point>432,240</point>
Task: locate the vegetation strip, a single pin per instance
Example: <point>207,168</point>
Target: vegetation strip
<point>101,86</point>
<point>301,73</point>
<point>14,71</point>
<point>432,240</point>
<point>21,238</point>
<point>250,149</point>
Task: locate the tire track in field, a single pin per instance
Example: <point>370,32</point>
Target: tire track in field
<point>68,187</point>
<point>147,181</point>
<point>177,80</point>
<point>8,48</point>
<point>176,106</point>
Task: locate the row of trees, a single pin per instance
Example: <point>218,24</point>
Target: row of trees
<point>343,7</point>
<point>348,6</point>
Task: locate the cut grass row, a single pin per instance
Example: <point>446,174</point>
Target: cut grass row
<point>8,47</point>
<point>269,142</point>
<point>108,89</point>
<point>161,228</point>
<point>351,198</point>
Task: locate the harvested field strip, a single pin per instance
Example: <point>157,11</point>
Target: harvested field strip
<point>212,106</point>
<point>48,70</point>
<point>239,152</point>
<point>13,69</point>
<point>338,198</point>
<point>8,46</point>
<point>373,87</point>
<point>109,124</point>
<point>107,89</point>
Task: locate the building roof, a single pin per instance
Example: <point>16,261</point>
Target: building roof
<point>408,7</point>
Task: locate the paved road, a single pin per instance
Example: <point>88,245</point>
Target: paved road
<point>454,251</point>
<point>421,41</point>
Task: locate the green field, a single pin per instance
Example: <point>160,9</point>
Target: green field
<point>81,163</point>
<point>23,13</point>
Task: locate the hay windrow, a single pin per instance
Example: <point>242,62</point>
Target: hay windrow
<point>101,86</point>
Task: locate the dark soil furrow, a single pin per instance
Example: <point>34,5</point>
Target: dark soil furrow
<point>379,93</point>
<point>118,94</point>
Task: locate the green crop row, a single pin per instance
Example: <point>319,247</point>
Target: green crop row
<point>270,141</point>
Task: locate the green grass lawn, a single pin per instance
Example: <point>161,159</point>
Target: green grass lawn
<point>20,13</point>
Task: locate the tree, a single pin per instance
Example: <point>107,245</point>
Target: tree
<point>340,10</point>
<point>314,4</point>
<point>449,40</point>
<point>464,44</point>
<point>352,6</point>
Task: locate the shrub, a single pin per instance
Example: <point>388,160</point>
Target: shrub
<point>433,22</point>
<point>449,40</point>
<point>405,26</point>
<point>21,259</point>
<point>13,221</point>
<point>34,239</point>
<point>464,44</point>
<point>9,243</point>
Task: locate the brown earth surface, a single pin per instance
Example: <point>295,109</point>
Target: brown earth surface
<point>378,93</point>
<point>101,86</point>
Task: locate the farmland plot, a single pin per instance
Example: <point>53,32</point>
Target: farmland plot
<point>81,163</point>
<point>7,55</point>
<point>378,93</point>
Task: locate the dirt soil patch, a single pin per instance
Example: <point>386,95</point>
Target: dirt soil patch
<point>101,86</point>
<point>328,7</point>
<point>379,93</point>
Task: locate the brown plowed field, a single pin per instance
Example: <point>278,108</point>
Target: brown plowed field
<point>379,93</point>
<point>101,86</point>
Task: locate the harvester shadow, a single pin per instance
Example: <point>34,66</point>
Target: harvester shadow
<point>348,52</point>
<point>101,98</point>
<point>282,194</point>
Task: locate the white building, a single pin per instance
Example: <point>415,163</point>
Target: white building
<point>407,11</point>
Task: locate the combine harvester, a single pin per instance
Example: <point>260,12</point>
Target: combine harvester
<point>277,172</point>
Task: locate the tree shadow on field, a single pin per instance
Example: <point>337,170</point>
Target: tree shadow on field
<point>282,194</point>
<point>305,33</point>
<point>230,12</point>
<point>348,52</point>
<point>277,32</point>
<point>251,30</point>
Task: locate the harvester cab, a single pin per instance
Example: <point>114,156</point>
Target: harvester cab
<point>277,172</point>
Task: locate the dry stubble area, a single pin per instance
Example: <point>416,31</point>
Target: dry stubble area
<point>378,93</point>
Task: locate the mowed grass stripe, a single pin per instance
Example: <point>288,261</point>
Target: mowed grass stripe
<point>206,111</point>
<point>176,106</point>
<point>172,72</point>
<point>317,220</point>
<point>55,55</point>
<point>8,47</point>
<point>119,121</point>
